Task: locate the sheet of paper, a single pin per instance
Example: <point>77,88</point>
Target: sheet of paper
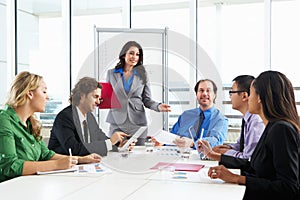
<point>165,137</point>
<point>194,177</point>
<point>91,168</point>
<point>73,169</point>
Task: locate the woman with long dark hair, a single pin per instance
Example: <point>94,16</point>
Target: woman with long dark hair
<point>273,170</point>
<point>131,84</point>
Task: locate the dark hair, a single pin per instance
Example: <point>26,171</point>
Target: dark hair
<point>83,87</point>
<point>215,89</point>
<point>124,50</point>
<point>277,97</point>
<point>139,66</point>
<point>244,82</point>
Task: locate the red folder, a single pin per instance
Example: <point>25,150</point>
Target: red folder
<point>108,96</point>
<point>179,166</point>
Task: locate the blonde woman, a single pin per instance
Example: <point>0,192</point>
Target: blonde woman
<point>21,147</point>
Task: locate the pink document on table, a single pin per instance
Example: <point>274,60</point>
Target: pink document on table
<point>179,166</point>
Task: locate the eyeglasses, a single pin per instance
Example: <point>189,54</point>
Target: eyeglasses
<point>235,91</point>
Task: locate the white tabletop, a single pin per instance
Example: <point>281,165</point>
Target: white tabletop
<point>125,178</point>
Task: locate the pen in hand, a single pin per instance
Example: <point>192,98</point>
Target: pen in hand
<point>70,152</point>
<point>200,138</point>
<point>201,134</point>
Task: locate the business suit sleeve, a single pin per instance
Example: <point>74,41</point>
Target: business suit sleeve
<point>236,163</point>
<point>98,137</point>
<point>64,135</point>
<point>276,165</point>
<point>147,98</point>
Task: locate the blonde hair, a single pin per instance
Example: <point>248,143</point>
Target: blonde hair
<point>24,82</point>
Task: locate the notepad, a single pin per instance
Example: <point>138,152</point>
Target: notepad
<point>108,96</point>
<point>73,169</point>
<point>179,166</point>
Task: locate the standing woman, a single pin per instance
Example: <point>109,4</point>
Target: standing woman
<point>273,170</point>
<point>21,147</point>
<point>131,85</point>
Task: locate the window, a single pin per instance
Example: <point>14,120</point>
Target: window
<point>285,41</point>
<point>43,49</point>
<point>87,15</point>
<point>3,53</point>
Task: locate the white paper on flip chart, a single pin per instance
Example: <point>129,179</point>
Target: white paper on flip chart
<point>165,137</point>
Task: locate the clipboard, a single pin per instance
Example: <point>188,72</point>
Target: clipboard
<point>109,98</point>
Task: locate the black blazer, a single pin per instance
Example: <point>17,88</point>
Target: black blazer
<point>66,133</point>
<point>274,165</point>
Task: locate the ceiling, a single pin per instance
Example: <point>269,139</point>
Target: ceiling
<point>52,7</point>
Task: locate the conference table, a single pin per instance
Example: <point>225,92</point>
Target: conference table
<point>127,176</point>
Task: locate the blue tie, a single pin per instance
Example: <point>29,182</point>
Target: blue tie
<point>199,123</point>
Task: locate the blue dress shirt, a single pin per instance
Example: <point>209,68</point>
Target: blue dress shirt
<point>126,84</point>
<point>215,125</point>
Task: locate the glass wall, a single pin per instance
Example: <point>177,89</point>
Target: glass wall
<point>86,15</point>
<point>181,61</point>
<point>43,48</point>
<point>233,36</point>
<point>285,41</point>
<point>56,38</point>
<point>3,50</point>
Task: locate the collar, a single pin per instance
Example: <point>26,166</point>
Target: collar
<point>80,115</point>
<point>11,111</point>
<point>206,112</point>
<point>247,116</point>
<point>121,71</point>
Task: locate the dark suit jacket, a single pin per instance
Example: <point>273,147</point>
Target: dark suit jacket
<point>274,165</point>
<point>67,133</point>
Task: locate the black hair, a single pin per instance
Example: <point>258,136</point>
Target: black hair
<point>244,82</point>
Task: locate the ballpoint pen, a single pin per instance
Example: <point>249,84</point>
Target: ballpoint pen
<point>201,134</point>
<point>202,156</point>
<point>70,152</point>
<point>192,137</point>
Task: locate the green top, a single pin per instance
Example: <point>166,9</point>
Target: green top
<point>17,145</point>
